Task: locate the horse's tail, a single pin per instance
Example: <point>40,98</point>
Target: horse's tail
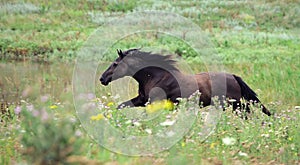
<point>249,94</point>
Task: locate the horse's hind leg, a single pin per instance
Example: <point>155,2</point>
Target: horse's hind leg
<point>239,108</point>
<point>246,107</point>
<point>236,106</point>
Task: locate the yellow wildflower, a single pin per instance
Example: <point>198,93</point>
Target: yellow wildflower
<point>150,109</point>
<point>159,105</point>
<point>53,106</point>
<point>108,116</point>
<point>182,144</point>
<point>97,117</point>
<point>212,145</point>
<point>168,105</point>
<point>110,104</point>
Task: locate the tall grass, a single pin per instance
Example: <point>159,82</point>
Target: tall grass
<point>257,40</point>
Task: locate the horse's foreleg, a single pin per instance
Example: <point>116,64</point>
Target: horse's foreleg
<point>135,102</point>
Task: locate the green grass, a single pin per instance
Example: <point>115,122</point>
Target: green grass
<point>260,139</point>
<point>257,40</point>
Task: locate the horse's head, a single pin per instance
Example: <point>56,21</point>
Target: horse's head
<point>118,69</point>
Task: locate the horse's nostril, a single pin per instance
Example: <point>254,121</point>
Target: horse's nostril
<point>103,81</point>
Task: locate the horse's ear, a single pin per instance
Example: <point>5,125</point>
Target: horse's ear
<point>120,53</point>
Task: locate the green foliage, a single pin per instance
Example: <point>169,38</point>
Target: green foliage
<point>257,137</point>
<point>121,5</point>
<point>9,141</point>
<point>48,138</point>
<point>55,19</point>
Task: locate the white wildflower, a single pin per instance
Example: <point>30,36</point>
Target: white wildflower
<point>137,123</point>
<point>170,133</point>
<point>229,141</point>
<point>168,123</point>
<point>149,131</point>
<point>243,154</point>
<point>232,100</point>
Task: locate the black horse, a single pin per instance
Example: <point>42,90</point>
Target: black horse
<point>159,79</point>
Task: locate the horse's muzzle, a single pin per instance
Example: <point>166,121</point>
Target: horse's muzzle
<point>104,82</point>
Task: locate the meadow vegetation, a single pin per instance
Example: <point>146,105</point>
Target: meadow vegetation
<point>38,42</point>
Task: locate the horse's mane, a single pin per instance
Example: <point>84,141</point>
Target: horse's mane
<point>152,59</point>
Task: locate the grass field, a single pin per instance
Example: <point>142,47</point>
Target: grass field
<point>260,41</point>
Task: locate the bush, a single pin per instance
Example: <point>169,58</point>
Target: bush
<point>48,138</point>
